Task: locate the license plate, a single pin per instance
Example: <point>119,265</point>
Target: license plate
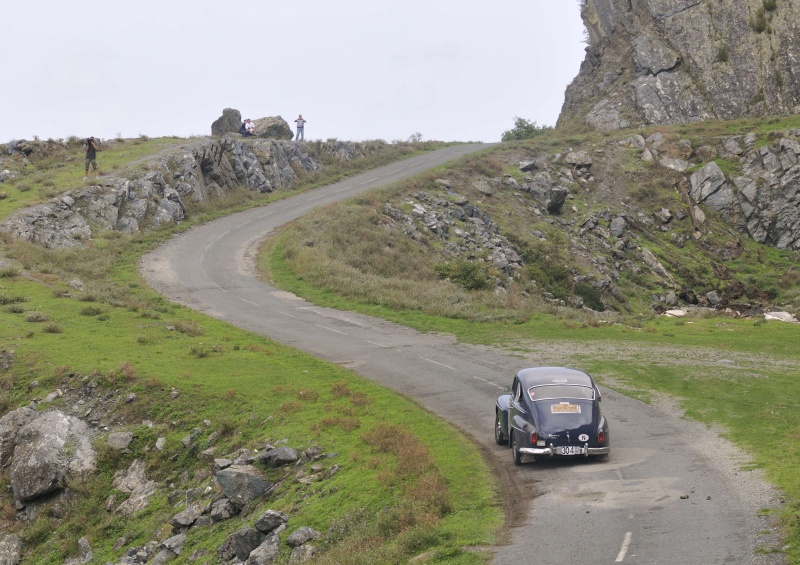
<point>569,450</point>
<point>565,408</point>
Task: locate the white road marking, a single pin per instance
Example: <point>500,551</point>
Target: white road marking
<point>378,344</point>
<point>317,197</point>
<point>329,329</point>
<point>209,279</point>
<point>437,363</point>
<point>488,382</point>
<point>286,314</point>
<point>244,223</point>
<point>625,544</point>
<point>220,236</point>
<point>245,300</point>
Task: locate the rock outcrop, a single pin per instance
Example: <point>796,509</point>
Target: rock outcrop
<point>273,127</point>
<point>43,451</point>
<point>229,122</point>
<point>270,127</point>
<point>157,197</point>
<point>682,61</point>
<point>764,201</point>
<point>49,448</point>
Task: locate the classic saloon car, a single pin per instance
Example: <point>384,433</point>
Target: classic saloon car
<point>552,411</point>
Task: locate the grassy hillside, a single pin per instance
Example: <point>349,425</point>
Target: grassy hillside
<point>109,336</point>
<point>739,374</point>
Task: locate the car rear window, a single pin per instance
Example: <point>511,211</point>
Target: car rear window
<point>543,392</point>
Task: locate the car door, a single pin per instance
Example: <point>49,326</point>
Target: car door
<point>516,406</point>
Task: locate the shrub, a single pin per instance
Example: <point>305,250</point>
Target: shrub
<point>35,316</point>
<point>759,21</point>
<point>592,297</point>
<point>190,328</point>
<point>199,352</point>
<point>91,311</point>
<point>523,129</point>
<point>466,274</point>
<point>308,396</point>
<point>52,329</point>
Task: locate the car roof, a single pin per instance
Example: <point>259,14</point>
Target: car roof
<point>535,376</point>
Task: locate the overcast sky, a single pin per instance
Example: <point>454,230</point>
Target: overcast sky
<point>451,70</point>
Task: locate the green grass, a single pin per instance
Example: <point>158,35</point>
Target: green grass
<point>45,178</point>
<point>253,388</point>
<point>123,337</point>
<point>738,374</point>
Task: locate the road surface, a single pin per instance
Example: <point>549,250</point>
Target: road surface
<point>669,494</point>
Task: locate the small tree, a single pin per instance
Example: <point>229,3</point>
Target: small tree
<point>523,129</point>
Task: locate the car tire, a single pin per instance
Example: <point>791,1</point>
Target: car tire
<point>515,454</point>
<point>499,438</point>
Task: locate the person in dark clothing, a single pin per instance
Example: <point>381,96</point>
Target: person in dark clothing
<point>91,157</point>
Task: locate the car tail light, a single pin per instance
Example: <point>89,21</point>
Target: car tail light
<point>601,437</point>
<point>534,437</point>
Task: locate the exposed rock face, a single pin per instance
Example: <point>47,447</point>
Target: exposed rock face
<point>762,202</point>
<point>10,424</point>
<point>10,550</point>
<point>47,449</point>
<point>156,198</point>
<point>242,483</point>
<point>229,122</point>
<point>682,61</point>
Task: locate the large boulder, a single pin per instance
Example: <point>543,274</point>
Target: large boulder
<point>273,127</point>
<point>46,451</point>
<point>229,122</point>
<point>9,426</point>
<point>240,543</point>
<point>242,483</point>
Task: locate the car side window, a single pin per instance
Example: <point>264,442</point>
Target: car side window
<point>515,390</point>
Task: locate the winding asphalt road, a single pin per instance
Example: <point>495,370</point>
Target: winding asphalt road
<point>663,497</point>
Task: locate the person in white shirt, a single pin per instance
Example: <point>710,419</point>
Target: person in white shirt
<point>300,127</point>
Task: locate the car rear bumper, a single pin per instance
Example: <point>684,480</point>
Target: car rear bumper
<point>552,451</point>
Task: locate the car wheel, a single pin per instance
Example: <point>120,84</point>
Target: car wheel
<point>499,438</point>
<point>515,454</point>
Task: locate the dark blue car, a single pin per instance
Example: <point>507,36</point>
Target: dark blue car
<point>552,412</point>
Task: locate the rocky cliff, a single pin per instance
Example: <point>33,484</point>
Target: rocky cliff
<point>682,61</point>
<point>156,197</point>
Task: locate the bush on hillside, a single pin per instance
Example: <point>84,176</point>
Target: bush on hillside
<point>523,129</point>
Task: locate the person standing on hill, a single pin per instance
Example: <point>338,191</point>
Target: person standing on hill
<point>300,128</point>
<point>91,157</point>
